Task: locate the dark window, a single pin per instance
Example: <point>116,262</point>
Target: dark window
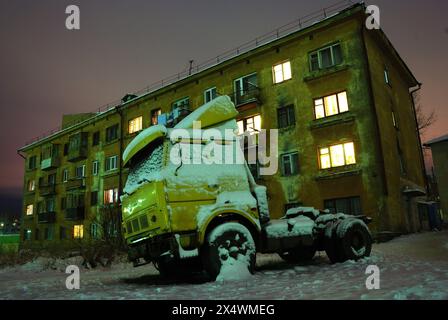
<point>62,233</point>
<point>401,158</point>
<point>49,233</point>
<point>65,149</point>
<point>27,234</point>
<point>210,94</point>
<point>290,164</point>
<point>32,161</point>
<point>36,235</point>
<point>326,57</point>
<point>351,205</point>
<point>94,198</point>
<point>286,116</point>
<point>112,133</point>
<point>52,179</point>
<point>96,138</point>
<point>63,203</point>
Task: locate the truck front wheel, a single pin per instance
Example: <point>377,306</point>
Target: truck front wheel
<point>228,244</point>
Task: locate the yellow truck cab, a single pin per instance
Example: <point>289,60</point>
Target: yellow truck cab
<point>190,199</point>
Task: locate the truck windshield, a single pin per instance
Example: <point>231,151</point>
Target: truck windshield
<point>145,169</point>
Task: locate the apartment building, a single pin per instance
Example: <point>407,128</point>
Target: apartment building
<point>339,94</point>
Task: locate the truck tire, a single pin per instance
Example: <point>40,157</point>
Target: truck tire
<point>228,240</point>
<point>355,241</point>
<point>332,243</point>
<point>300,254</point>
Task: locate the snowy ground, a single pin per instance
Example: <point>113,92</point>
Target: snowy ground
<point>412,267</point>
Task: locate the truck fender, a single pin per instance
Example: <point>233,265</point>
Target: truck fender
<point>227,214</point>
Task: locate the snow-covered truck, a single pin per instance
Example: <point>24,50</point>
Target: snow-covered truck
<point>183,210</point>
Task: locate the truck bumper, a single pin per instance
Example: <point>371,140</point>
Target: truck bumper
<point>152,248</point>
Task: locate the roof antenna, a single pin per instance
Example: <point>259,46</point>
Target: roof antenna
<point>191,67</point>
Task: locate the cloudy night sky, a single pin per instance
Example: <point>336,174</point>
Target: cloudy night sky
<point>122,46</point>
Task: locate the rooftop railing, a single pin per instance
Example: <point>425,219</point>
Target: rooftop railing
<point>280,32</point>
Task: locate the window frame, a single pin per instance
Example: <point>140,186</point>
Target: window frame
<point>136,124</point>
<point>349,199</point>
<point>319,57</point>
<point>329,154</point>
<point>114,192</point>
<point>177,105</point>
<point>108,166</point>
<point>65,175</point>
<point>283,71</point>
<point>155,112</point>
<point>27,207</point>
<point>213,94</point>
<point>291,164</point>
<point>95,167</point>
<point>244,120</point>
<point>96,137</point>
<point>78,231</point>
<point>112,129</point>
<point>289,123</point>
<point>337,101</point>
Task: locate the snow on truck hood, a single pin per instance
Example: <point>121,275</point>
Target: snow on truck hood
<point>142,140</point>
<point>217,111</point>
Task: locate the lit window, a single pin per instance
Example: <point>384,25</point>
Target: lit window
<point>29,210</point>
<point>111,163</point>
<point>31,185</point>
<point>78,231</point>
<point>155,116</point>
<point>331,105</point>
<point>282,72</point>
<point>210,94</point>
<point>111,196</point>
<point>337,155</point>
<point>135,125</point>
<point>251,125</point>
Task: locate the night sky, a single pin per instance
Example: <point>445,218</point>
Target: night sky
<point>122,46</point>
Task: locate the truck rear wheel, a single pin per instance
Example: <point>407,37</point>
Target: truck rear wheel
<point>230,240</point>
<point>300,254</point>
<point>355,239</point>
<point>348,239</point>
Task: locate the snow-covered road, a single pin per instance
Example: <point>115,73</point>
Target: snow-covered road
<point>411,267</point>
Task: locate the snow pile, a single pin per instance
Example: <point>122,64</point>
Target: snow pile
<point>233,269</point>
<point>234,264</point>
<point>43,264</point>
<point>298,226</point>
<point>302,210</point>
<point>147,170</point>
<point>144,138</point>
<point>218,110</point>
<point>263,205</point>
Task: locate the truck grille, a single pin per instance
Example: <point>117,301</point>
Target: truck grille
<point>136,224</point>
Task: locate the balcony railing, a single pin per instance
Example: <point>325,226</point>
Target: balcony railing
<point>46,217</point>
<point>47,189</point>
<point>49,163</point>
<point>246,96</point>
<point>77,183</point>
<point>75,214</point>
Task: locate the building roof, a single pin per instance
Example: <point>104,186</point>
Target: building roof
<point>437,140</point>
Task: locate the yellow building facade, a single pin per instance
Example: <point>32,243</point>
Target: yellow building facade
<point>338,93</point>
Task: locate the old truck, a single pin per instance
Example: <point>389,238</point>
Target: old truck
<point>183,211</point>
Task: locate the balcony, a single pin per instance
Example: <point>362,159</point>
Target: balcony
<point>46,217</point>
<point>75,214</point>
<point>77,149</point>
<point>250,95</point>
<point>47,190</point>
<point>49,163</point>
<point>78,183</point>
